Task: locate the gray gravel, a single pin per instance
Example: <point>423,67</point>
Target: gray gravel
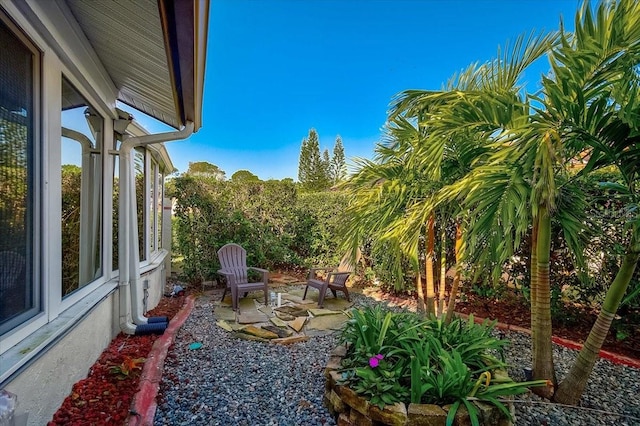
<point>237,382</point>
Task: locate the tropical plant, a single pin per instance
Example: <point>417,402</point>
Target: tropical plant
<point>528,178</point>
<point>394,357</point>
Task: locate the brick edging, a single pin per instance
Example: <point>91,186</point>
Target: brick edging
<point>144,401</point>
<point>610,356</point>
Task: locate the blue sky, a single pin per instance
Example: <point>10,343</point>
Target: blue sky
<point>276,68</point>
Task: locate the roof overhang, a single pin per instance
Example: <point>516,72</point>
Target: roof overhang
<point>154,52</point>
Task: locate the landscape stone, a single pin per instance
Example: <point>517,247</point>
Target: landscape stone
<point>359,419</point>
<point>224,325</point>
<point>283,316</point>
<point>321,312</point>
<point>337,304</point>
<point>426,415</point>
<point>327,322</point>
<point>340,350</point>
<point>252,317</point>
<point>289,340</point>
<point>259,332</point>
<point>295,311</point>
<point>224,313</point>
<point>246,336</point>
<point>278,322</point>
<point>297,323</point>
<point>247,303</point>
<point>395,414</point>
<point>352,399</point>
<point>318,333</point>
<point>281,332</point>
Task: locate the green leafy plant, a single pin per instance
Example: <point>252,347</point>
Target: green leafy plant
<point>394,357</point>
<point>128,367</point>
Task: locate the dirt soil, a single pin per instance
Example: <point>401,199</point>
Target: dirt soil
<point>570,323</point>
<point>104,397</point>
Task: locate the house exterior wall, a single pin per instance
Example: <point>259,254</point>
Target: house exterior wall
<point>41,358</point>
<point>44,384</point>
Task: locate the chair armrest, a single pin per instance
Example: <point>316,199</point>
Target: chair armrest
<point>257,269</point>
<point>312,271</point>
<point>229,275</point>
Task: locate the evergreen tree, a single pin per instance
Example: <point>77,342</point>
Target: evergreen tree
<point>314,169</point>
<point>304,162</point>
<point>338,165</point>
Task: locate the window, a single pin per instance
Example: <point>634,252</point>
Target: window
<point>115,236</point>
<point>19,89</point>
<point>159,212</point>
<point>139,163</point>
<point>153,180</point>
<point>82,131</point>
<point>156,180</point>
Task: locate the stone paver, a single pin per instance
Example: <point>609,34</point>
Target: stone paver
<point>327,322</point>
<point>294,320</point>
<point>297,323</point>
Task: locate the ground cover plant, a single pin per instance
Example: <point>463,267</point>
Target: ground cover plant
<point>402,357</point>
<point>104,397</point>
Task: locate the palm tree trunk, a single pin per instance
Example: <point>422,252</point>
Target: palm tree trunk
<point>571,388</point>
<point>443,268</point>
<point>456,280</point>
<point>420,290</point>
<point>533,285</point>
<point>543,368</point>
<point>431,292</point>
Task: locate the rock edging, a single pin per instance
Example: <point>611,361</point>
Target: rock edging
<point>350,409</point>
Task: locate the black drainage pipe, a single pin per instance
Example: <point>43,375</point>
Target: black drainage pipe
<point>153,328</point>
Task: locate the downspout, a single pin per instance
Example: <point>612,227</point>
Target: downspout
<point>132,321</point>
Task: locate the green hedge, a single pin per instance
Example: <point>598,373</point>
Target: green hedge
<point>278,226</point>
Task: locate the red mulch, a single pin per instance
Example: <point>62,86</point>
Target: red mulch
<point>103,398</point>
<point>572,323</point>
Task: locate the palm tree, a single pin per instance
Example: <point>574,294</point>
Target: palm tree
<point>498,190</point>
<point>381,191</point>
<point>593,95</point>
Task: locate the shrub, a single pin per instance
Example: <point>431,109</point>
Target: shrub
<point>400,357</point>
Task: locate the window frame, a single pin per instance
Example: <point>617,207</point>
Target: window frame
<point>36,314</point>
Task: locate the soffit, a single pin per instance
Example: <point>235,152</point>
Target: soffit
<point>128,38</point>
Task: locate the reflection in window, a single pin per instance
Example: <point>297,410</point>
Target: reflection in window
<point>82,135</point>
<point>153,179</point>
<point>139,165</point>
<point>18,85</point>
<point>116,203</point>
<point>160,191</point>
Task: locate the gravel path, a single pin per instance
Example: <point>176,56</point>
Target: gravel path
<point>236,382</point>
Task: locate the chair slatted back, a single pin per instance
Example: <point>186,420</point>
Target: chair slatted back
<point>233,258</point>
<point>339,280</point>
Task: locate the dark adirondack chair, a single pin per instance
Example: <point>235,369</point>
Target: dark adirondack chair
<point>233,262</point>
<point>335,279</point>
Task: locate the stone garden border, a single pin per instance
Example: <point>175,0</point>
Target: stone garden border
<point>350,409</point>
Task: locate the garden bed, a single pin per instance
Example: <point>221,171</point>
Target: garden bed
<point>351,409</point>
<point>104,397</point>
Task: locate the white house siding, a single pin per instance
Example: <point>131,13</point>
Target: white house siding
<point>44,384</point>
<point>41,359</point>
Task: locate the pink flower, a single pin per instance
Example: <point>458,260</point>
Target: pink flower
<point>375,360</point>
